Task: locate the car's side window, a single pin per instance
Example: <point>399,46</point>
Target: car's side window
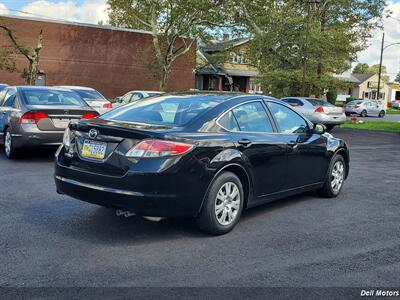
<point>288,120</point>
<point>135,97</point>
<point>2,95</point>
<point>229,122</point>
<point>126,98</point>
<point>252,117</point>
<point>8,94</point>
<point>10,101</point>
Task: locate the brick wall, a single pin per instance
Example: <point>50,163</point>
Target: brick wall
<point>112,61</point>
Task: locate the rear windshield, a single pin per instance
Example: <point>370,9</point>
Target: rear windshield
<point>170,110</point>
<point>153,94</point>
<point>355,102</point>
<point>319,102</point>
<point>89,94</point>
<point>51,97</point>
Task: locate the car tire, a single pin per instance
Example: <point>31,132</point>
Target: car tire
<point>9,148</point>
<point>222,206</point>
<point>363,113</point>
<point>337,171</point>
<point>329,127</point>
<point>381,114</point>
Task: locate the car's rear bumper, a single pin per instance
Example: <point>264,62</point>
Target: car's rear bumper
<point>147,194</point>
<point>329,119</point>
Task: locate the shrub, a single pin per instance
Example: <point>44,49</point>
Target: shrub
<point>331,96</point>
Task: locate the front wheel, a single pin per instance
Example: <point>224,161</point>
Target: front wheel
<point>381,114</point>
<point>222,206</point>
<point>334,181</point>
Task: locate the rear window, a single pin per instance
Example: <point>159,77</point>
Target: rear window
<point>319,102</point>
<point>89,94</point>
<point>51,97</point>
<point>170,111</point>
<point>355,102</point>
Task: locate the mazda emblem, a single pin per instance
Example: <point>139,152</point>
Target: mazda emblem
<point>93,133</point>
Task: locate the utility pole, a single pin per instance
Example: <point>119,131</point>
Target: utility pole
<point>380,66</point>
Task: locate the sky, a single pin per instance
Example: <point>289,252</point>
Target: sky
<point>93,11</point>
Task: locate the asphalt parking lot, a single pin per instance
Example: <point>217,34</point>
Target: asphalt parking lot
<point>303,241</point>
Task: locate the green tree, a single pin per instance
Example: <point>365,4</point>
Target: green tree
<point>397,79</point>
<point>361,68</point>
<point>169,21</point>
<point>375,69</point>
<point>31,54</point>
<point>305,42</point>
<point>7,61</point>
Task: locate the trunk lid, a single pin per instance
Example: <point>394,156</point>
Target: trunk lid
<point>117,138</point>
<point>333,110</point>
<point>59,116</point>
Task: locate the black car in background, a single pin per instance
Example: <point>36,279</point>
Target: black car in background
<point>37,116</point>
<point>201,155</point>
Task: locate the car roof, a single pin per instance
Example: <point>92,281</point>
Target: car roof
<point>218,96</point>
<point>76,87</point>
<point>29,88</point>
<point>144,91</point>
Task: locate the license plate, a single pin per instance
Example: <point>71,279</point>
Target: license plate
<point>61,123</point>
<point>93,149</point>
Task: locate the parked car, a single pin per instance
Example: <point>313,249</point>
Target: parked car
<point>134,96</point>
<point>3,86</point>
<point>36,116</point>
<point>201,155</point>
<point>318,111</point>
<point>396,104</point>
<point>92,97</point>
<point>365,108</point>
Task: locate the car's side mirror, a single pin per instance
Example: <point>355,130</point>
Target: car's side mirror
<point>319,129</point>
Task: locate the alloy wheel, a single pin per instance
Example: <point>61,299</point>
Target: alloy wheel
<point>227,203</point>
<point>7,143</point>
<point>337,176</point>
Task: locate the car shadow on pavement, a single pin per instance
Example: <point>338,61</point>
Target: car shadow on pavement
<point>100,225</point>
<point>34,154</point>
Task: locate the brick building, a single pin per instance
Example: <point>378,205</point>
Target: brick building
<point>109,59</point>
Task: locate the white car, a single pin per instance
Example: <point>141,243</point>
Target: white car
<point>366,108</point>
<point>133,96</point>
<point>92,97</point>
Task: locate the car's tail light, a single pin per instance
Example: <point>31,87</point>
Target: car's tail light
<point>90,115</point>
<point>32,117</point>
<point>319,110</point>
<point>67,137</point>
<point>158,148</point>
<point>107,105</point>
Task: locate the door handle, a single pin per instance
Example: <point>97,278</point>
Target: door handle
<point>292,144</point>
<point>245,142</point>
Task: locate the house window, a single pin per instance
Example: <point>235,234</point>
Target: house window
<point>237,58</point>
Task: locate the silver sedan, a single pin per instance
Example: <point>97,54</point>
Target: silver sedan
<point>318,111</point>
<point>365,108</point>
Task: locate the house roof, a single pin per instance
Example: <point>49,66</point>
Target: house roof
<point>216,46</point>
<point>348,78</point>
<point>362,77</point>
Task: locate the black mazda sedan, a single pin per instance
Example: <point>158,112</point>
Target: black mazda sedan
<point>203,155</point>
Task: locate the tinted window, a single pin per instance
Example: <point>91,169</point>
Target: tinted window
<point>319,102</point>
<point>10,101</point>
<point>228,121</point>
<point>171,110</point>
<point>136,96</point>
<point>153,94</point>
<point>89,94</point>
<point>287,119</point>
<point>252,117</point>
<point>51,97</point>
<point>294,102</point>
<point>355,102</point>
